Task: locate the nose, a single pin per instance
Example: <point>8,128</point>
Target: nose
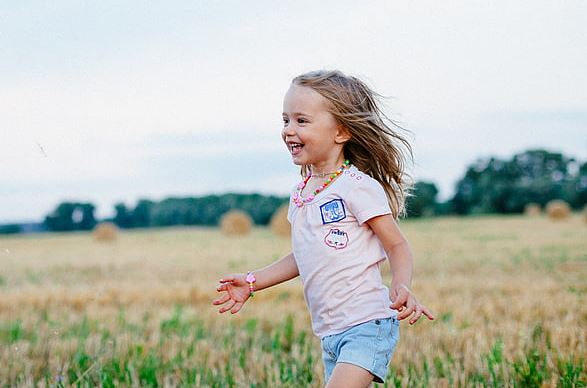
<point>288,130</point>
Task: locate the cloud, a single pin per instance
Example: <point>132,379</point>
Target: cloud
<point>122,96</point>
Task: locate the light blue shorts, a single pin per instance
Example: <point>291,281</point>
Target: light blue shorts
<point>369,345</point>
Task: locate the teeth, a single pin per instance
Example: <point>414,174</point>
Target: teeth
<point>293,146</point>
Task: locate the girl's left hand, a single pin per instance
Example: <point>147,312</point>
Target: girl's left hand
<point>405,302</point>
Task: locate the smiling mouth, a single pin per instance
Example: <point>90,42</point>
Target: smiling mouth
<point>295,148</point>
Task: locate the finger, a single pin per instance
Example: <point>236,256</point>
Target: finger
<point>406,312</point>
<point>399,301</point>
<point>417,315</point>
<point>222,287</point>
<point>228,306</point>
<point>428,313</point>
<point>237,307</point>
<point>222,299</point>
<point>227,279</point>
<point>395,304</point>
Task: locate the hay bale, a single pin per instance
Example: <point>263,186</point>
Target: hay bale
<point>532,209</point>
<point>236,223</point>
<point>558,210</point>
<point>279,223</point>
<point>105,232</point>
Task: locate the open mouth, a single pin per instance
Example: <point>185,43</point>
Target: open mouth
<point>295,148</point>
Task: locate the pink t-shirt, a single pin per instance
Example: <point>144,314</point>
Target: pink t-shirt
<point>338,255</point>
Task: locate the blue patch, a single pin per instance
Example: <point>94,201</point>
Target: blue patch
<point>332,211</point>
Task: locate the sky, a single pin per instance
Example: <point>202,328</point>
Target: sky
<point>108,101</point>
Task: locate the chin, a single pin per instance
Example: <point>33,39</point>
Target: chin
<point>297,162</point>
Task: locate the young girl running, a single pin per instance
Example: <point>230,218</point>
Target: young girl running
<point>343,215</point>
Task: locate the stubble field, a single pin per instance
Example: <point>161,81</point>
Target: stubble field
<point>509,294</point>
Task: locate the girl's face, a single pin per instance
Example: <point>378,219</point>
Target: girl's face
<point>310,132</point>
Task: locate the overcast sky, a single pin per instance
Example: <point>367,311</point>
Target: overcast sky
<point>114,101</point>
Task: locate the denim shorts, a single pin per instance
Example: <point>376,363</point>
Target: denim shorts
<point>369,345</point>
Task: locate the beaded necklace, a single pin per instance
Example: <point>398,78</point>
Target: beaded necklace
<point>322,175</point>
<point>297,197</point>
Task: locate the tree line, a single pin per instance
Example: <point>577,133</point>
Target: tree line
<point>489,185</point>
<point>204,211</point>
<point>501,186</point>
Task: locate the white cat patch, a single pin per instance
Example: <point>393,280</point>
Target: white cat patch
<point>337,239</point>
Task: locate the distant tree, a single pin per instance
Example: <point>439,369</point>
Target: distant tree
<point>494,185</point>
<point>123,216</point>
<point>209,209</point>
<point>168,212</point>
<point>444,208</point>
<point>61,219</point>
<point>260,207</point>
<point>88,221</point>
<point>10,229</point>
<point>69,216</point>
<point>580,187</point>
<point>141,214</point>
<point>422,202</point>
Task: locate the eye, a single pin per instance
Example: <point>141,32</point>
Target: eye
<point>285,120</point>
<point>302,121</point>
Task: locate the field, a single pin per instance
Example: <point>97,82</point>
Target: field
<point>509,293</point>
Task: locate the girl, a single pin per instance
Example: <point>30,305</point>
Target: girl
<point>343,216</point>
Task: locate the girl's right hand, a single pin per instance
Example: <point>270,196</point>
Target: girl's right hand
<point>237,293</point>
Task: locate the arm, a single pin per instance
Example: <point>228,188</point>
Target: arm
<point>399,253</point>
<point>401,262</point>
<point>278,272</point>
<point>237,288</point>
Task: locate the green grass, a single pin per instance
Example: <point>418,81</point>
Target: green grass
<point>508,292</point>
<point>288,354</point>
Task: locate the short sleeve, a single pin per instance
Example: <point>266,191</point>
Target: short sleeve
<point>367,199</point>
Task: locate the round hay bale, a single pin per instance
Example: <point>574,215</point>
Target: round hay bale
<point>236,223</point>
<point>532,209</point>
<point>105,232</point>
<point>279,223</point>
<point>558,210</point>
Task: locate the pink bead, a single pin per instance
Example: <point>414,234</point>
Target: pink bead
<point>310,197</point>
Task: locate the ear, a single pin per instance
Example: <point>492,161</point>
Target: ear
<point>342,134</point>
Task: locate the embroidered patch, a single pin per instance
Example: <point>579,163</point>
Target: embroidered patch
<point>332,211</point>
<point>337,239</point>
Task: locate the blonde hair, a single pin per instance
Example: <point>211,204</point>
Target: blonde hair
<point>376,147</point>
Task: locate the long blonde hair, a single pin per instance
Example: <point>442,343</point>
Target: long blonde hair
<point>376,147</point>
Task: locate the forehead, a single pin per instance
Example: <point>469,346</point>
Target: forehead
<point>303,99</point>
